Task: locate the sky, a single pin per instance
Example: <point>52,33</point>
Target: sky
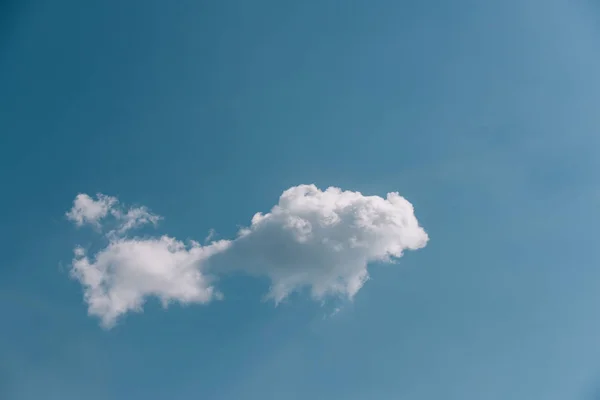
<point>299,200</point>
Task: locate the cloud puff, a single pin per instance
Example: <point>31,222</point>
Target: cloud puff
<point>86,210</point>
<point>123,275</point>
<point>133,218</point>
<point>324,240</point>
<point>319,240</point>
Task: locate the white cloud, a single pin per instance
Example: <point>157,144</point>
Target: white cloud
<point>323,240</point>
<point>86,210</point>
<point>319,240</point>
<point>133,218</point>
<point>89,211</point>
<point>122,276</point>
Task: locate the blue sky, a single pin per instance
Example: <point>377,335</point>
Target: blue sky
<point>482,114</point>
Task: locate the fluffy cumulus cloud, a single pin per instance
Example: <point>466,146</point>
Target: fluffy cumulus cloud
<point>120,277</point>
<point>123,275</point>
<point>322,241</point>
<point>86,210</point>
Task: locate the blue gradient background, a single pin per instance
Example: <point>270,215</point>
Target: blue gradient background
<point>484,114</point>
